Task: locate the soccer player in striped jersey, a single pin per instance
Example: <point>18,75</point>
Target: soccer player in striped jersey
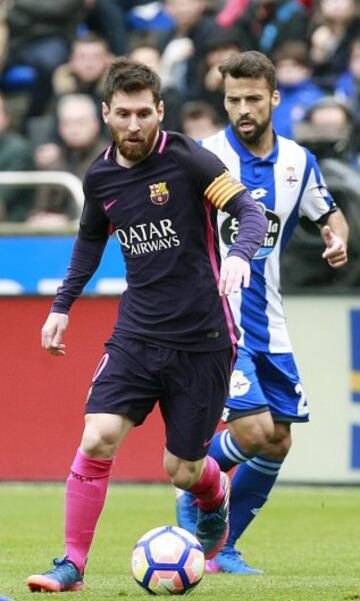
<point>266,394</point>
<point>175,339</point>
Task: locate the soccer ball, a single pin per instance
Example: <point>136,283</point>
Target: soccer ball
<point>168,561</point>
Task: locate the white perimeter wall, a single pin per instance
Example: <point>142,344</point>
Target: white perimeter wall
<point>320,329</point>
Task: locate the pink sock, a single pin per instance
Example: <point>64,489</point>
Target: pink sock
<point>208,490</point>
<point>86,489</point>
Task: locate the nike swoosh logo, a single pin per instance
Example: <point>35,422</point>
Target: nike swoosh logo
<point>207,443</point>
<point>108,205</point>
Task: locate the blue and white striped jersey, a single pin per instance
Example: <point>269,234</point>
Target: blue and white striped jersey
<point>287,185</point>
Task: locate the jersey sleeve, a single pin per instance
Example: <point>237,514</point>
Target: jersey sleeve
<point>94,224</point>
<point>316,202</point>
<point>226,193</point>
<point>211,177</point>
<point>252,225</point>
<point>85,259</point>
<point>86,254</point>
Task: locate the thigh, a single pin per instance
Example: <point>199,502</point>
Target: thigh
<point>195,389</point>
<point>282,387</point>
<point>246,396</point>
<point>124,382</point>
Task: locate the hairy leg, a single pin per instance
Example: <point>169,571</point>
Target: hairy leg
<point>254,479</point>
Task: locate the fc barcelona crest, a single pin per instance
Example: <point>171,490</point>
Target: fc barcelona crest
<point>159,194</point>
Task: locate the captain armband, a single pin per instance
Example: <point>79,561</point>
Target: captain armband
<point>222,189</point>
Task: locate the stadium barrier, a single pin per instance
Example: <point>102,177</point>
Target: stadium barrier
<point>30,179</point>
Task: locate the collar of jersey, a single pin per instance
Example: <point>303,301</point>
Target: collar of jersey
<point>247,156</point>
<point>160,141</point>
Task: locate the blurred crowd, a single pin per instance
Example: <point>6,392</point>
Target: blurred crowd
<point>53,55</point>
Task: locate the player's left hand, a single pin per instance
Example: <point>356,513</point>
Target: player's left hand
<point>234,274</point>
<point>336,249</point>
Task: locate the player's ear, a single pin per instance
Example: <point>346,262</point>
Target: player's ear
<point>275,99</point>
<point>105,112</point>
<point>161,110</point>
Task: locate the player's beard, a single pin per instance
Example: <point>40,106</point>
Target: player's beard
<point>252,137</point>
<point>135,147</point>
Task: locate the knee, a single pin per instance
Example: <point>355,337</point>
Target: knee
<point>98,443</point>
<point>183,474</point>
<point>184,478</point>
<point>281,445</point>
<point>103,433</point>
<point>252,437</point>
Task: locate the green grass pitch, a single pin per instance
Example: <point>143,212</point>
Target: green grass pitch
<point>306,539</point>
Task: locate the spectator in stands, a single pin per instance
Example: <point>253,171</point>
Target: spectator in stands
<point>347,87</point>
<point>297,90</point>
<point>326,131</point>
<point>76,144</point>
<point>232,10</point>
<point>335,24</point>
<point>199,120</point>
<point>149,54</point>
<point>117,20</point>
<point>329,112</point>
<point>40,32</point>
<point>266,24</point>
<point>183,47</point>
<point>15,155</point>
<point>85,70</point>
<point>209,87</point>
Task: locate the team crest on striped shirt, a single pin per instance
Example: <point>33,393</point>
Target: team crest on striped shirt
<point>159,194</point>
<point>291,177</point>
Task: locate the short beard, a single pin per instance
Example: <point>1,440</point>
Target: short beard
<point>135,153</point>
<point>253,137</point>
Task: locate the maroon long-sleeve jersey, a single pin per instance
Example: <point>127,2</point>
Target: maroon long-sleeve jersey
<point>163,211</point>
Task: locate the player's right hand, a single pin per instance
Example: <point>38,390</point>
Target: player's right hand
<point>234,274</point>
<point>336,250</point>
<point>52,333</point>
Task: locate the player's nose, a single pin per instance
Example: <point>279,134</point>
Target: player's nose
<point>243,108</point>
<point>134,123</point>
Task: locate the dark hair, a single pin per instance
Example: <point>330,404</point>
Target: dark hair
<point>293,50</point>
<point>222,38</point>
<point>330,102</point>
<point>251,64</point>
<point>90,37</point>
<point>125,75</point>
<point>196,109</point>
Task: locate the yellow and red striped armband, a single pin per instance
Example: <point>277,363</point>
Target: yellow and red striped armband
<point>222,189</point>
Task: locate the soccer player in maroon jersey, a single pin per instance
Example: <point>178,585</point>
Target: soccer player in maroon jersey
<point>174,341</point>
